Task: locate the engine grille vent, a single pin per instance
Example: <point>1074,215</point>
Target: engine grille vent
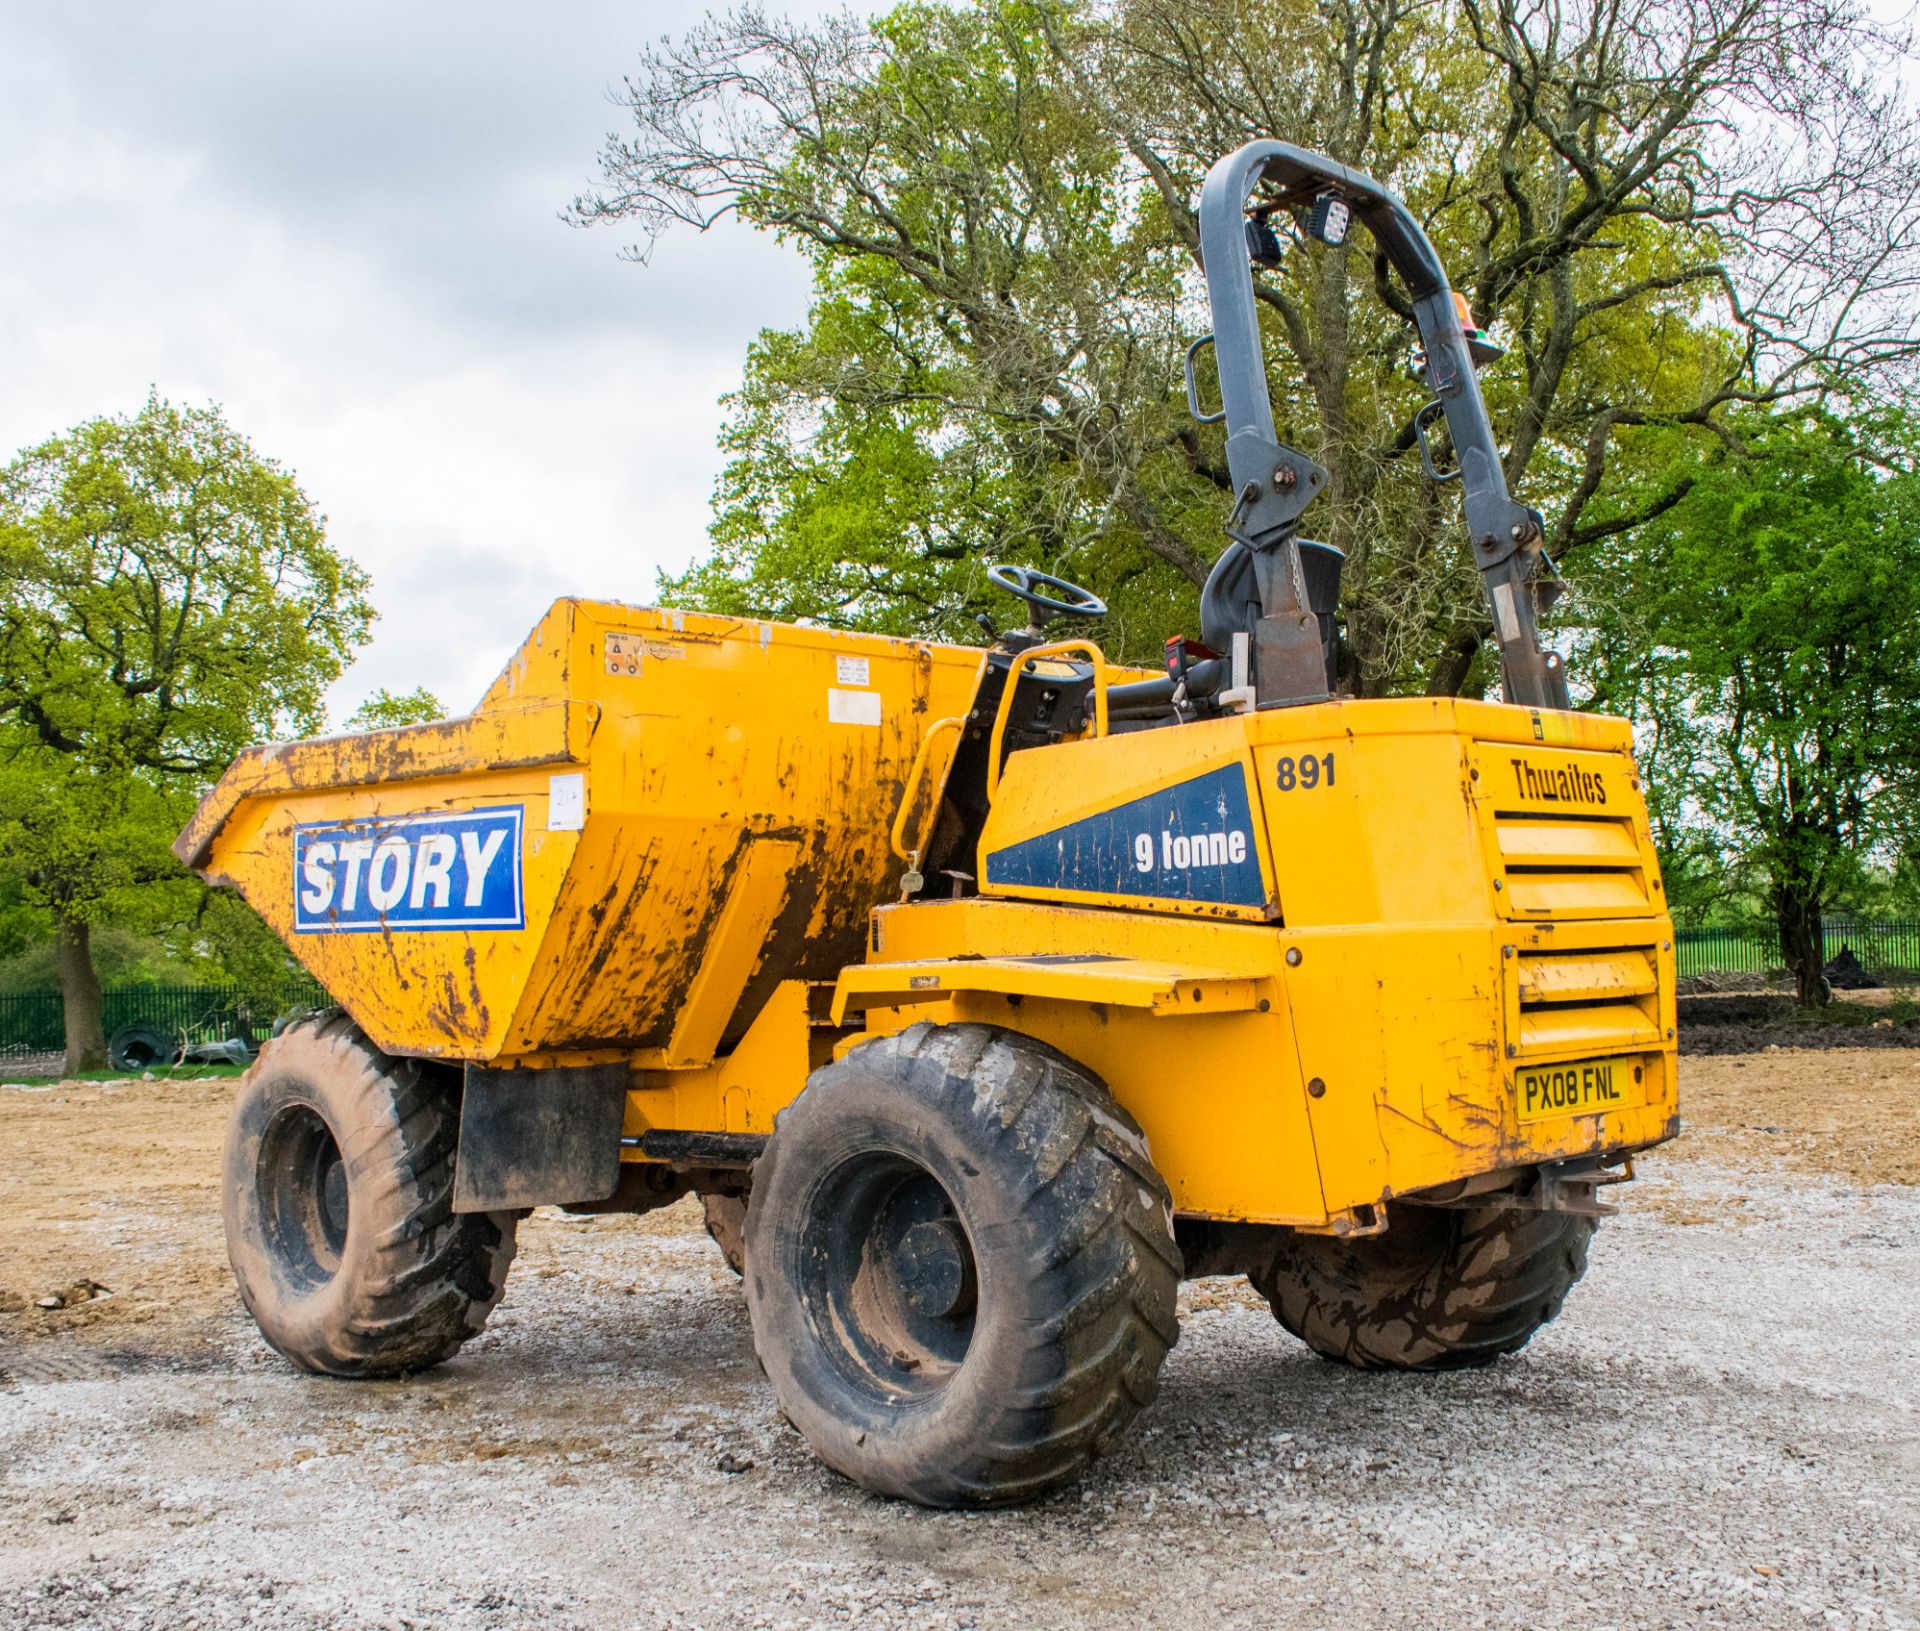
<point>1598,1001</point>
<point>1570,866</point>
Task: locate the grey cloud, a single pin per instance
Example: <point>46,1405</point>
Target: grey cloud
<point>448,135</point>
<point>341,222</point>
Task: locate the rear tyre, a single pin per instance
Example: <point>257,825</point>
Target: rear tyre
<point>727,1227</point>
<point>339,1207</point>
<point>1442,1289</point>
<point>960,1267</point>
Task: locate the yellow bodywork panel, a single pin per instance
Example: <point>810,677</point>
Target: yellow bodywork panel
<point>1466,895</point>
<point>1127,982</point>
<point>674,812</point>
<point>745,1090</point>
<point>1325,955</point>
<point>511,738</point>
<point>1235,1144</point>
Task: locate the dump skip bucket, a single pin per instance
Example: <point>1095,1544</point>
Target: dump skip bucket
<point>651,819</point>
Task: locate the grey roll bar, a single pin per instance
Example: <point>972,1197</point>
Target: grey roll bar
<point>1274,484</point>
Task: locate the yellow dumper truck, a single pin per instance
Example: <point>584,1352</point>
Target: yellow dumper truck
<point>980,994</point>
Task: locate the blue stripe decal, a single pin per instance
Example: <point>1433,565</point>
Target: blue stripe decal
<point>1189,842</point>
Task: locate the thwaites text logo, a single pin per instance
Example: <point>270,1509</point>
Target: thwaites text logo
<point>1557,783</point>
<point>435,870</point>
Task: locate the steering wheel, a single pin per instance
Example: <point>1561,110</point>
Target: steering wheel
<point>1020,581</point>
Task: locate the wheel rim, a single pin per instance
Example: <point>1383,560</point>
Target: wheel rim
<point>305,1203</point>
<point>889,1276</point>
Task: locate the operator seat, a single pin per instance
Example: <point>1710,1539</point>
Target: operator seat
<point>1230,601</point>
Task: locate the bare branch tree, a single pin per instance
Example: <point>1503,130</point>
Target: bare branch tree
<point>1673,208</point>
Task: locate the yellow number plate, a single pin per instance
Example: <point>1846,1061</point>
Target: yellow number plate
<point>1581,1087</point>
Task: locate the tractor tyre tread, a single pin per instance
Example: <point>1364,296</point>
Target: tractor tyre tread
<point>1082,1340</point>
<point>1460,1289</point>
<point>416,1279</point>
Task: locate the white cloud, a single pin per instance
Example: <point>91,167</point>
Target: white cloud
<point>343,227</point>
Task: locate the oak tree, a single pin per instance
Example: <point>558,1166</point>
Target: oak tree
<point>167,595</point>
<point>1673,210</point>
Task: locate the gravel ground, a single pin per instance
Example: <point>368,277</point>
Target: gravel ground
<point>1720,1431</point>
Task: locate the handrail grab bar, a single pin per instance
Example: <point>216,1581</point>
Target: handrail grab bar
<point>1056,648</point>
<point>897,837</point>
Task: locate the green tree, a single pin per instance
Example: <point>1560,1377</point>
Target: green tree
<point>167,595</point>
<point>986,370</point>
<point>1673,213</point>
<point>386,709</point>
<point>79,837</point>
<point>1767,631</point>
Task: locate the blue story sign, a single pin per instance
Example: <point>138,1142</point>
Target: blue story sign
<point>435,870</point>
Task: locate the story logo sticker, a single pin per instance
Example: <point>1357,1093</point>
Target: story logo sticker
<point>434,870</point>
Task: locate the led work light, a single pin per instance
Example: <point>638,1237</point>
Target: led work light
<point>1329,219</point>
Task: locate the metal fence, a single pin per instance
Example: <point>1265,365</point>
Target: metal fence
<point>1724,951</point>
<point>32,1022</point>
<point>1888,947</point>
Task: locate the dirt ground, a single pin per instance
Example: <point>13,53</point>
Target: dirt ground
<point>1721,1430</point>
<point>1754,1022</point>
<point>1851,1113</point>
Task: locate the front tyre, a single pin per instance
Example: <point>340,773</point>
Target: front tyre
<point>960,1266</point>
<point>339,1207</point>
<point>1442,1289</point>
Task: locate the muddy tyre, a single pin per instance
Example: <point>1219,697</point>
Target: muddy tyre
<point>960,1267</point>
<point>339,1207</point>
<point>1442,1289</point>
<point>726,1218</point>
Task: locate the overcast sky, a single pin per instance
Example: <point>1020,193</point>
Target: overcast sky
<point>339,222</point>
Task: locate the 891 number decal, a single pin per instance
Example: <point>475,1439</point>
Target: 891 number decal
<point>1306,772</point>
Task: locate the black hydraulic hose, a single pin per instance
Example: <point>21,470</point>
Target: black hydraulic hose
<point>1203,679</point>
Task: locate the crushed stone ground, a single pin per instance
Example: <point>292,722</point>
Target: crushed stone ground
<point>1723,1429</point>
